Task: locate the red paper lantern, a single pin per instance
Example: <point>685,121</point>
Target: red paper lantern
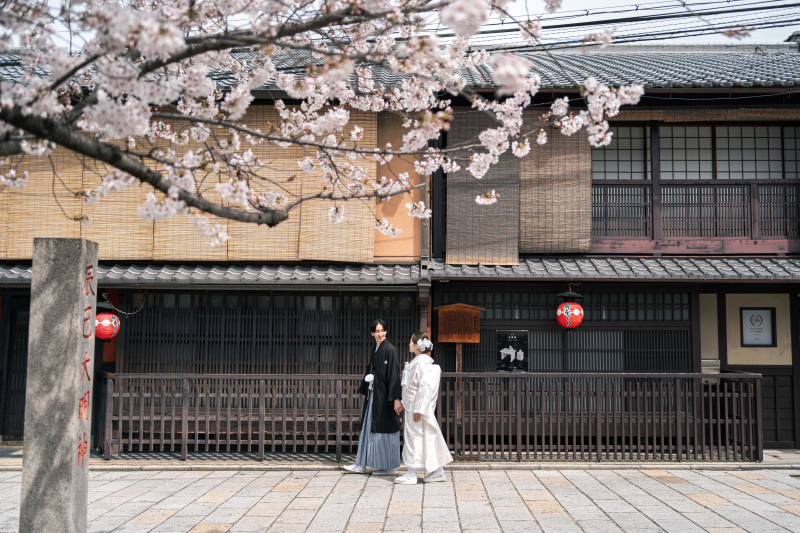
<point>106,326</point>
<point>569,314</point>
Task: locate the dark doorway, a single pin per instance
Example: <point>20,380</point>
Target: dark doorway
<point>16,367</point>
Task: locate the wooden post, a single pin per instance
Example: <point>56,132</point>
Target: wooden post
<point>108,429</point>
<point>459,380</point>
<point>338,420</point>
<point>184,421</point>
<point>262,398</point>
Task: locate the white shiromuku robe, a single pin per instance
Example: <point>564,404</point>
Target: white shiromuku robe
<point>424,447</point>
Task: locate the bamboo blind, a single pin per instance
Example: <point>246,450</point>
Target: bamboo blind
<point>556,195</point>
<point>481,234</point>
<point>116,226</point>
<point>114,222</point>
<point>353,239</point>
<point>34,211</point>
<point>5,196</point>
<point>280,243</point>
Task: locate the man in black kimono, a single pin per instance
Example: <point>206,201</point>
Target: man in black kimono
<point>379,442</point>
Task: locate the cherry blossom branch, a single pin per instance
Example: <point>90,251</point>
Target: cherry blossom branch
<point>63,135</point>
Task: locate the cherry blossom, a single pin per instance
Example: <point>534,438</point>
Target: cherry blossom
<point>417,210</point>
<point>336,214</point>
<point>488,198</point>
<point>161,93</point>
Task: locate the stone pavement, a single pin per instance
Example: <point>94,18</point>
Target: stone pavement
<point>562,501</point>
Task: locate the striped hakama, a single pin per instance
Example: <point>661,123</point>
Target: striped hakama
<point>377,450</point>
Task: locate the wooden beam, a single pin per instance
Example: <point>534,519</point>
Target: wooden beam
<point>605,245</point>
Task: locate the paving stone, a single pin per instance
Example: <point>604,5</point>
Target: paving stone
<point>540,507</point>
<point>557,523</point>
<point>207,527</point>
<point>707,500</point>
<point>519,526</point>
<point>295,517</point>
<point>225,516</point>
<point>267,509</point>
<point>599,526</point>
<point>373,527</point>
<point>405,508</point>
<point>403,523</point>
<point>152,516</point>
<point>253,524</point>
<point>441,527</point>
<point>438,514</point>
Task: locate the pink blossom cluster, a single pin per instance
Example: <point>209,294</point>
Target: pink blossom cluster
<point>418,210</point>
<point>13,181</point>
<point>142,86</point>
<point>215,234</point>
<point>382,226</point>
<point>488,198</point>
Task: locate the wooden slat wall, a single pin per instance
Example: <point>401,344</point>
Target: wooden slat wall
<point>262,333</point>
<point>34,211</point>
<point>556,195</point>
<point>116,226</point>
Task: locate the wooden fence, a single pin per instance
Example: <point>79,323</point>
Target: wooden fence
<point>545,416</point>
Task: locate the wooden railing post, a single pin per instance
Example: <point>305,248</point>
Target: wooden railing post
<point>109,410</point>
<point>759,426</point>
<point>678,391</point>
<point>597,384</point>
<point>755,212</point>
<point>262,400</point>
<point>339,421</point>
<point>185,421</point>
<point>518,385</point>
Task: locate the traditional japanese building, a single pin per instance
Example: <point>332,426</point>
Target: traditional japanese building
<point>682,235</point>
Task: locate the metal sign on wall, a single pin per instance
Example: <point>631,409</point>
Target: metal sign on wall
<point>512,351</point>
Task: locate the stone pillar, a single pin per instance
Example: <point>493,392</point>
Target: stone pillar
<point>55,470</point>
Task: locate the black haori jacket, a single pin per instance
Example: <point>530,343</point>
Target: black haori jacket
<point>385,366</point>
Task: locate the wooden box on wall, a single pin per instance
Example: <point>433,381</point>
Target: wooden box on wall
<point>459,323</point>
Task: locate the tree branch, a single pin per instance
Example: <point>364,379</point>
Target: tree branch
<point>66,137</point>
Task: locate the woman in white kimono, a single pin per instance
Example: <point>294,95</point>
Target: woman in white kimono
<point>424,447</point>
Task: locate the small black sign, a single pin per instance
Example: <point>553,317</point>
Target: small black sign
<point>512,351</point>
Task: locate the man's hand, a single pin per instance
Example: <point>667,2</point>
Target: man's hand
<point>417,417</point>
<point>398,406</point>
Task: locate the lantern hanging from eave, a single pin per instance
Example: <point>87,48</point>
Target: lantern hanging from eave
<point>569,313</point>
<point>106,326</point>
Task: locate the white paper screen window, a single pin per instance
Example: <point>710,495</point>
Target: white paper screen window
<point>626,158</point>
<point>749,152</point>
<point>686,153</point>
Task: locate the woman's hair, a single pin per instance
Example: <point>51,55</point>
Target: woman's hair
<point>418,336</point>
<point>375,323</point>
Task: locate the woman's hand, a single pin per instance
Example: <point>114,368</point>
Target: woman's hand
<point>398,406</point>
<point>417,417</point>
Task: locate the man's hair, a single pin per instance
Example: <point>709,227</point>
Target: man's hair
<point>375,323</point>
<point>416,337</point>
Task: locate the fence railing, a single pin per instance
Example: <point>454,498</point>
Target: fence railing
<point>696,210</point>
<point>671,417</point>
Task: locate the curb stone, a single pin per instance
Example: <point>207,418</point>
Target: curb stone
<point>452,467</point>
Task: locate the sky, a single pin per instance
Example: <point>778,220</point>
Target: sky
<point>579,11</point>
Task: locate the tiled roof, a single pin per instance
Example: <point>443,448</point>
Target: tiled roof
<point>664,66</point>
<point>621,268</point>
<point>119,275</point>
